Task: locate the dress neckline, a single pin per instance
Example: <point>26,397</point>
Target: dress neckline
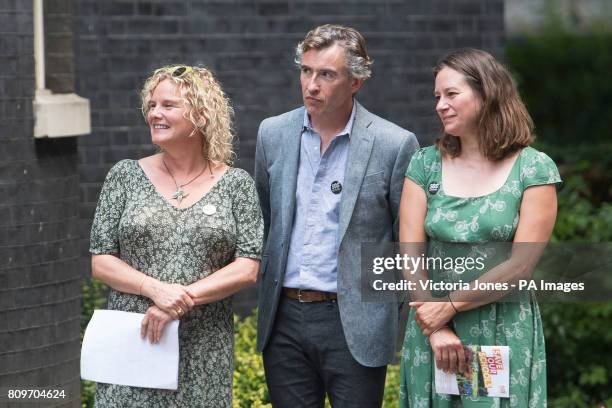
<point>497,190</point>
<point>165,200</point>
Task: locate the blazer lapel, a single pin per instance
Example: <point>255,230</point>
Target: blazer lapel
<point>291,155</point>
<point>360,148</point>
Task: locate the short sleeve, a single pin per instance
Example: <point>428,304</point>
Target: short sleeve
<point>248,217</point>
<point>424,168</point>
<point>537,169</point>
<point>416,168</point>
<point>104,238</point>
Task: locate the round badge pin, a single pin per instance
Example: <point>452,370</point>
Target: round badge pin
<point>209,209</point>
<point>336,187</point>
<point>433,188</point>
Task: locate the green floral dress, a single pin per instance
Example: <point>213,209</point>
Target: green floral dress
<point>490,218</point>
<point>134,222</point>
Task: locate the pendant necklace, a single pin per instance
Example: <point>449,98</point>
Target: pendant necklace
<point>179,194</point>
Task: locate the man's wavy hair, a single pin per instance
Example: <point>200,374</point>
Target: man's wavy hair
<point>357,60</point>
<point>504,125</point>
<point>207,108</point>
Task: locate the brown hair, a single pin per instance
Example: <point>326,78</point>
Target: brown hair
<point>358,61</point>
<point>504,125</point>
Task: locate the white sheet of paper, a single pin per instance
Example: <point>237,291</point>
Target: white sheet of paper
<point>114,353</point>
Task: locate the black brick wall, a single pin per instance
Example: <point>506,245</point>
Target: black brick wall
<point>39,278</point>
<point>59,45</point>
<point>249,45</point>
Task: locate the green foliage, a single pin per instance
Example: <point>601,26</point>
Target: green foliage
<point>577,347</point>
<point>249,382</point>
<point>564,79</point>
<point>88,392</point>
<point>94,297</point>
<point>578,219</point>
<point>392,387</point>
<point>584,201</point>
<point>577,336</point>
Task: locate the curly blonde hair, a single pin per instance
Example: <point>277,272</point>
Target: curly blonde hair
<point>207,107</point>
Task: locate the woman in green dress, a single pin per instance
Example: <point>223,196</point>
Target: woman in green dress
<point>176,234</point>
<point>480,183</point>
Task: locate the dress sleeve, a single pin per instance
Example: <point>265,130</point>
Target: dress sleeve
<point>538,169</point>
<point>104,238</point>
<point>416,168</point>
<point>249,220</point>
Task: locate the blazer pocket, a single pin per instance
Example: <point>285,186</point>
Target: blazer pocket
<point>374,178</point>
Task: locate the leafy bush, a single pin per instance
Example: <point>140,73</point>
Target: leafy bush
<point>249,382</point>
<point>564,80</point>
<point>577,336</point>
<point>392,387</point>
<point>577,345</point>
<point>578,219</point>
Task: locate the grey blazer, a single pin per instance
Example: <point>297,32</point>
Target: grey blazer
<point>379,152</point>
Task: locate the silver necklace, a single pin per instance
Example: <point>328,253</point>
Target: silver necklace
<point>179,194</point>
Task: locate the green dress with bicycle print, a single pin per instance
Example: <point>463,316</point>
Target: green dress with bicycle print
<point>490,218</point>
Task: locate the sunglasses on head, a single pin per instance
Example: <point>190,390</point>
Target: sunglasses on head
<point>178,72</point>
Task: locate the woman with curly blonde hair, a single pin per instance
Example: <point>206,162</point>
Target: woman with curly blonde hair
<point>176,234</point>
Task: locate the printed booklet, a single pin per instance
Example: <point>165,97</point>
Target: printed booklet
<point>488,374</point>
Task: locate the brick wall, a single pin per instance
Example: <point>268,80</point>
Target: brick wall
<point>39,279</point>
<point>249,45</point>
<point>59,45</point>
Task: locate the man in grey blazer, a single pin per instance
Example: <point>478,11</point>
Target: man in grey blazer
<point>329,176</point>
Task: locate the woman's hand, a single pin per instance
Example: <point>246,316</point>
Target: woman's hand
<point>153,324</point>
<point>448,351</point>
<point>172,298</point>
<point>430,316</point>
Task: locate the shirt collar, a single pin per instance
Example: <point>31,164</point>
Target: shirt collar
<point>348,128</point>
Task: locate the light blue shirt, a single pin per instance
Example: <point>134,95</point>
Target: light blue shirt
<point>312,262</point>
